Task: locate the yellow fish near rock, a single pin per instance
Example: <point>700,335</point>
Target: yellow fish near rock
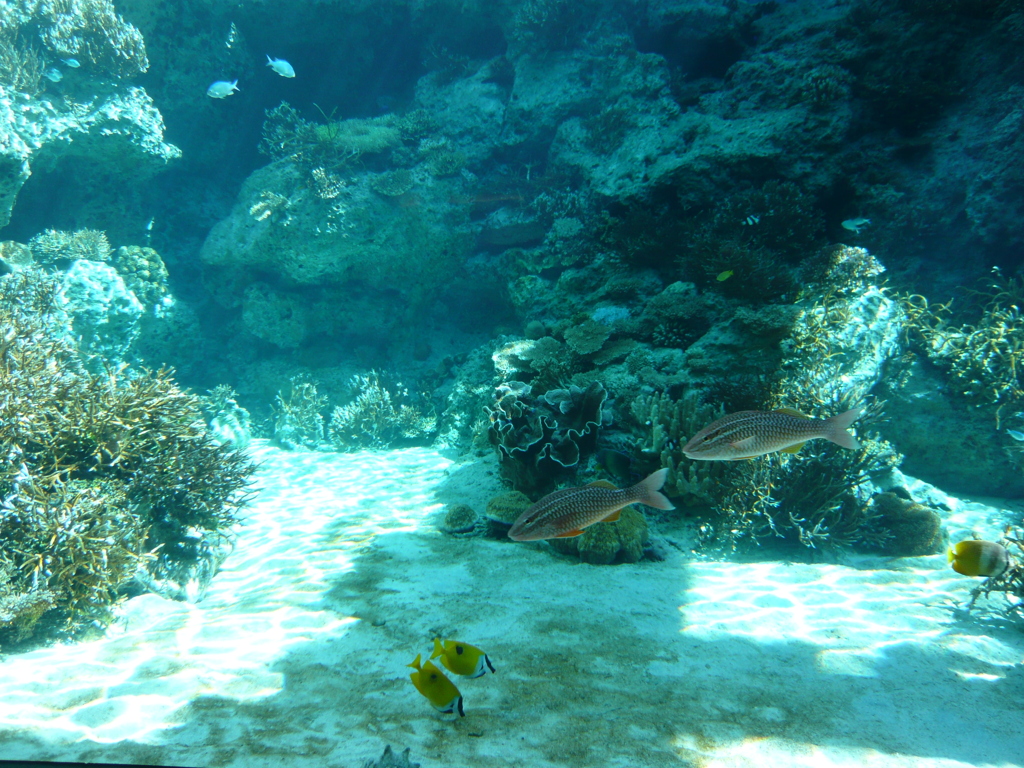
<point>462,658</point>
<point>436,688</point>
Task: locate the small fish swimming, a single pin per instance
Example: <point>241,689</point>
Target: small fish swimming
<point>436,688</point>
<point>222,89</point>
<point>746,434</point>
<point>282,67</point>
<point>976,557</point>
<point>1018,436</point>
<point>855,225</point>
<point>53,74</point>
<point>751,220</point>
<point>73,63</point>
<point>564,514</point>
<point>462,658</point>
<point>723,276</point>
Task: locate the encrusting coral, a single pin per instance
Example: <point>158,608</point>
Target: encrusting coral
<point>104,477</point>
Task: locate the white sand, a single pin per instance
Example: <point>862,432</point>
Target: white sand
<point>296,657</point>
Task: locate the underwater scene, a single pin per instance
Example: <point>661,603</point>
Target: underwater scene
<point>489,383</point>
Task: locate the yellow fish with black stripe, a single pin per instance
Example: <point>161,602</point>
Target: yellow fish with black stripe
<point>436,688</point>
<point>462,658</point>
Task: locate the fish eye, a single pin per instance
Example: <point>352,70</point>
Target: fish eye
<point>459,649</point>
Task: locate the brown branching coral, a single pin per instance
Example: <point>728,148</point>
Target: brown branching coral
<point>101,475</point>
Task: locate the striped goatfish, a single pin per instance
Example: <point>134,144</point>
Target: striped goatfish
<point>564,514</point>
<point>746,434</point>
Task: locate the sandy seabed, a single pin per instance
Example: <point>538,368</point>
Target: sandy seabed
<point>296,657</point>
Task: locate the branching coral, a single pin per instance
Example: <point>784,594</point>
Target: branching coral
<point>812,498</point>
<point>21,66</point>
<point>92,31</point>
<point>53,247</point>
<point>298,417</point>
<point>666,425</point>
<point>1011,581</point>
<point>378,416</point>
<point>100,473</point>
<point>985,360</point>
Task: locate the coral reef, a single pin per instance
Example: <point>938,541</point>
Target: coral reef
<point>540,440</point>
<point>298,416</point>
<point>665,425</point>
<point>503,510</point>
<point>378,416</point>
<point>104,313</point>
<point>914,529</point>
<point>105,478</point>
<point>144,272</point>
<point>605,543</point>
<point>460,520</point>
<point>58,249</point>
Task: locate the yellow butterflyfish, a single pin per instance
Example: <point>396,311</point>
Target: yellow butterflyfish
<point>976,557</point>
<point>436,688</point>
<point>723,276</point>
<point>462,658</point>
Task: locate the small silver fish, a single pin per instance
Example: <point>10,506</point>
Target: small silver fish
<point>222,89</point>
<point>1018,436</point>
<point>53,74</point>
<point>73,63</point>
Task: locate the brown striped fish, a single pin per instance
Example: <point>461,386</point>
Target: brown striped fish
<point>746,434</point>
<point>565,513</point>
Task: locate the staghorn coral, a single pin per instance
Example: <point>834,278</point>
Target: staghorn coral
<point>378,416</point>
<point>56,248</point>
<point>104,477</point>
<point>21,66</point>
<point>984,360</point>
<point>93,32</point>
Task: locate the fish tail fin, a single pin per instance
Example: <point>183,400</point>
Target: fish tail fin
<point>438,648</point>
<point>840,423</point>
<point>650,490</point>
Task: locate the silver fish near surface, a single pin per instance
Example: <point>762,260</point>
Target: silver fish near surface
<point>565,513</point>
<point>746,434</point>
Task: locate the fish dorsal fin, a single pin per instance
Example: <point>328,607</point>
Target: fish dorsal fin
<point>612,517</point>
<point>746,442</point>
<point>794,448</point>
<point>792,412</point>
<point>569,534</point>
<point>602,484</point>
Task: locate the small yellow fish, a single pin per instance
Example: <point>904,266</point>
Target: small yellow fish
<point>723,276</point>
<point>565,513</point>
<point>976,557</point>
<point>436,688</point>
<point>462,658</point>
